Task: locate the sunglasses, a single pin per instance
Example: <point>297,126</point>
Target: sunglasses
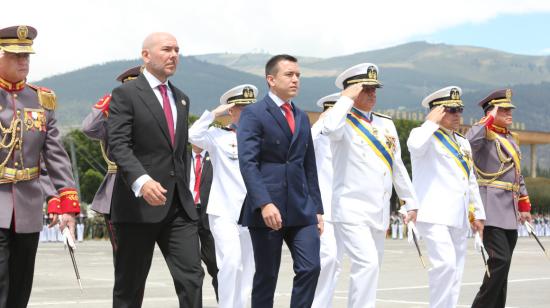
<point>454,109</point>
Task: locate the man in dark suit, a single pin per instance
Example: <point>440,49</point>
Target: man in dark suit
<point>151,202</point>
<point>200,182</point>
<point>283,201</point>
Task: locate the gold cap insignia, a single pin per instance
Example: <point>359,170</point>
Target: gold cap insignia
<point>372,73</point>
<point>248,92</point>
<point>22,32</point>
<point>508,93</point>
<point>455,95</point>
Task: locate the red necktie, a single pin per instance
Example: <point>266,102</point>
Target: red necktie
<point>198,172</point>
<point>289,116</point>
<point>167,111</point>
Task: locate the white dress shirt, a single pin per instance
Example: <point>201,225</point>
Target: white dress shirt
<point>278,101</point>
<point>192,166</point>
<point>228,190</point>
<point>362,183</point>
<point>444,191</point>
<point>154,83</point>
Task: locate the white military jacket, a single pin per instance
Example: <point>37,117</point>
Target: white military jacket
<point>362,182</point>
<point>323,160</point>
<point>228,191</point>
<point>444,189</point>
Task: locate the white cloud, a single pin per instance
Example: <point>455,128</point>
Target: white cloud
<point>75,34</point>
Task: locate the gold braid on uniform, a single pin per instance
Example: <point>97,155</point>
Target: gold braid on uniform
<point>14,142</point>
<point>111,165</point>
<point>502,158</point>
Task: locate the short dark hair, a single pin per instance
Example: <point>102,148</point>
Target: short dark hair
<point>271,65</point>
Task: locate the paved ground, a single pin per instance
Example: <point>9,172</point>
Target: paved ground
<point>403,281</point>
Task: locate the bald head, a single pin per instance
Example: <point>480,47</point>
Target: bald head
<point>160,54</point>
<point>153,39</point>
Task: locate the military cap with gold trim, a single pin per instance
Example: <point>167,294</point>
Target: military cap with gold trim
<point>240,95</point>
<point>130,74</point>
<point>17,39</point>
<point>447,97</point>
<point>364,73</point>
<point>328,101</point>
<point>501,98</point>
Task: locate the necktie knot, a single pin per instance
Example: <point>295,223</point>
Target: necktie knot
<point>162,89</point>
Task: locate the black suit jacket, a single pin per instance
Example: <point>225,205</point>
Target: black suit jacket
<point>205,185</point>
<point>140,144</point>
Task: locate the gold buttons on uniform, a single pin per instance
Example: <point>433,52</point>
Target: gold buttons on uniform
<point>16,164</point>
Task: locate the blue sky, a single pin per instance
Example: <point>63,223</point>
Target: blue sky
<point>521,34</point>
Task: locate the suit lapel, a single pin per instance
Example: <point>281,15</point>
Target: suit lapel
<point>152,103</point>
<point>277,114</point>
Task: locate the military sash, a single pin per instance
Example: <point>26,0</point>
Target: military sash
<point>361,125</point>
<point>454,149</point>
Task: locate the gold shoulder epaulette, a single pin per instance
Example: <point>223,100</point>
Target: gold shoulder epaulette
<point>491,135</point>
<point>46,97</point>
<point>382,115</point>
<point>516,137</point>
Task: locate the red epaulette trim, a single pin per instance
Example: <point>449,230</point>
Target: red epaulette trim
<point>103,104</point>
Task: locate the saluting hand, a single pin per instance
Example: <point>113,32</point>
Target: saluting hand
<point>353,91</point>
<point>153,193</point>
<point>222,109</point>
<point>494,112</point>
<point>272,216</point>
<point>436,114</point>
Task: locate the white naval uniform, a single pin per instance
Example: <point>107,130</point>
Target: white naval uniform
<point>362,187</point>
<point>445,193</point>
<point>234,254</point>
<point>330,258</point>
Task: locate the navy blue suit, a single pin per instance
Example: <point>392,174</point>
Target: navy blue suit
<point>279,167</point>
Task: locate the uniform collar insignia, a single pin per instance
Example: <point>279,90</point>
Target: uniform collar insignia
<point>498,129</point>
<point>10,86</point>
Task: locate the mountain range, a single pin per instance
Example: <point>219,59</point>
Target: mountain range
<point>409,72</point>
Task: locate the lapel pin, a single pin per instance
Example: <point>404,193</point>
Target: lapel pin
<point>183,102</point>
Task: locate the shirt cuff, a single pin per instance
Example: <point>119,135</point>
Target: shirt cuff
<point>138,184</point>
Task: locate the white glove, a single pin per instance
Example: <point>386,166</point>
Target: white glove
<point>69,240</point>
<point>411,228</point>
<point>478,243</point>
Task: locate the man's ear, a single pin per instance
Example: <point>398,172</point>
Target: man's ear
<point>145,55</point>
<point>270,80</point>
